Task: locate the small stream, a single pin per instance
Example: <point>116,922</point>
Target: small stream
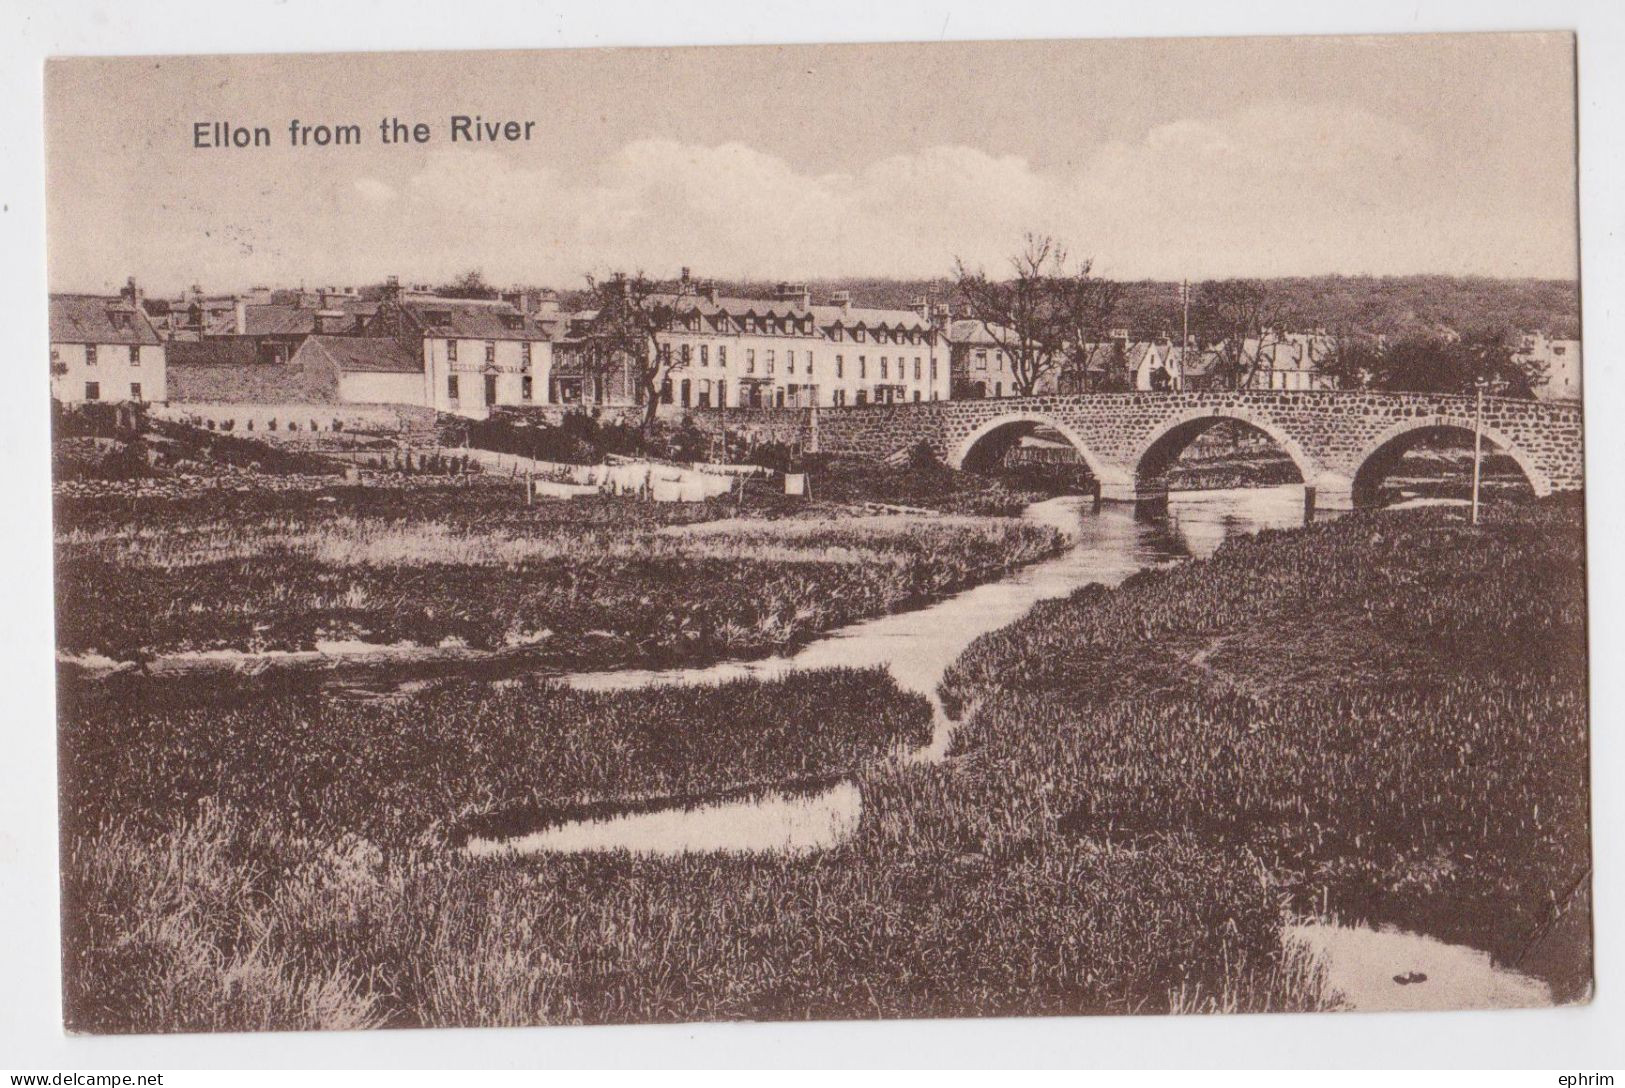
<point>1110,542</point>
<point>1371,969</point>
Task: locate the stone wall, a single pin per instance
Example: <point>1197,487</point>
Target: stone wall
<point>290,421</point>
<point>1128,439</point>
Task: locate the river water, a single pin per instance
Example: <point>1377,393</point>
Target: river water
<point>1368,968</point>
<point>1110,542</point>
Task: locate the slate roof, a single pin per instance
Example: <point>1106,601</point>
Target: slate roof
<point>469,319</point>
<point>278,319</point>
<point>363,354</point>
<point>90,319</point>
<point>823,315</point>
<point>224,351</point>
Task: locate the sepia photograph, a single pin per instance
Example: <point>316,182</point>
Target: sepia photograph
<point>818,532</point>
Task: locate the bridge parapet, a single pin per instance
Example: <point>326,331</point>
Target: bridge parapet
<point>1128,440</point>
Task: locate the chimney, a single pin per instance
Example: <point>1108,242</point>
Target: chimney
<point>330,321</point>
<point>709,290</point>
<point>240,312</point>
<point>843,299</point>
<point>922,306</point>
<point>795,293</point>
<point>131,292</point>
<point>683,283</point>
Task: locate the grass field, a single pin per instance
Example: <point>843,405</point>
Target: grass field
<point>1382,717</point>
<point>1389,711</point>
<point>588,583</point>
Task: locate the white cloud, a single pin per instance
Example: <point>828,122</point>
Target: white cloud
<point>1274,189</point>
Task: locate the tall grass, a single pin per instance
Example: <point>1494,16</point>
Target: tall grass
<point>584,585</point>
<point>1389,710</point>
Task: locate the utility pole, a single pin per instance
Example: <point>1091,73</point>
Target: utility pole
<point>1478,441</point>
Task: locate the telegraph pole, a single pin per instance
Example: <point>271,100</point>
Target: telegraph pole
<point>1478,441</point>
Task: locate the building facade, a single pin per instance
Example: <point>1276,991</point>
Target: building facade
<point>105,349</point>
<point>1561,358</point>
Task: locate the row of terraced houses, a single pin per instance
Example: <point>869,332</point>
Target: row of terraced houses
<point>328,349</point>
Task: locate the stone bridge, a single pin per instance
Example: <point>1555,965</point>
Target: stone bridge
<point>1343,443</point>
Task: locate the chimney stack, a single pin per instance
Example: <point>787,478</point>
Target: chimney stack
<point>843,299</point>
<point>240,314</point>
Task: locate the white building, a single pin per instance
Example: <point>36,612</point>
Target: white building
<point>472,355</point>
<point>1561,359</point>
<point>787,352</point>
<point>105,349</point>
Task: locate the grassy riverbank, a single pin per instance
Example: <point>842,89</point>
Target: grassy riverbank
<point>585,584</point>
<point>1383,717</point>
<point>1389,711</point>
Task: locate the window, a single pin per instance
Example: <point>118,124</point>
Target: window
<point>916,368</point>
<point>1558,349</point>
<point>885,370</point>
<point>705,386</point>
<point>809,364</point>
<point>998,389</point>
<point>665,391</point>
<point>840,366</point>
<point>90,354</point>
<point>750,360</point>
<point>863,397</point>
<point>135,354</point>
<point>933,368</point>
<point>685,353</point>
<point>916,396</point>
<point>770,360</point>
<point>790,362</point>
<point>722,389</point>
<point>524,357</point>
<point>526,390</point>
<point>451,385</point>
<point>722,354</point>
<point>665,357</point>
<point>863,367</point>
<point>705,355</point>
<point>93,391</point>
<point>451,353</point>
<point>981,360</point>
<point>135,390</point>
<point>490,351</point>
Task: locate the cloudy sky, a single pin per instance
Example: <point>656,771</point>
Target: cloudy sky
<point>1166,159</point>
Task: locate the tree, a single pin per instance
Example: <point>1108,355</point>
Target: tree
<point>631,314</point>
<point>1241,322</point>
<point>1352,360</point>
<point>1022,314</point>
<point>1084,309</point>
<point>1432,364</point>
<point>470,284</point>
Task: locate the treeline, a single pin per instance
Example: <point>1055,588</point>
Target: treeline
<point>1396,306</point>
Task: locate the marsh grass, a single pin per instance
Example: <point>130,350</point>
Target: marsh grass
<point>1389,710</point>
<point>598,577</point>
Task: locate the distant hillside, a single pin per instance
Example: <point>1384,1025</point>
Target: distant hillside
<point>1395,305</point>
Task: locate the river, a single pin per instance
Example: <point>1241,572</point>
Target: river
<point>1368,968</point>
<point>1110,542</point>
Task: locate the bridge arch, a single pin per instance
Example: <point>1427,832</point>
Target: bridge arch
<point>1380,456</point>
<point>1100,468</point>
<point>1164,444</point>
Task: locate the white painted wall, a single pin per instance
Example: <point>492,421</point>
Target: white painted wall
<point>113,372</point>
<point>471,367</point>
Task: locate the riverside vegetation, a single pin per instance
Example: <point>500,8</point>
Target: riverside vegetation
<point>593,582</point>
<point>1382,717</point>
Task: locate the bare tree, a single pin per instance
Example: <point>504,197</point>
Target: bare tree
<point>1022,313</point>
<point>1084,308</point>
<point>631,314</point>
<point>1241,322</point>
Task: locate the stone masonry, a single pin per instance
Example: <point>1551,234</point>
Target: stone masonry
<point>1341,441</point>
